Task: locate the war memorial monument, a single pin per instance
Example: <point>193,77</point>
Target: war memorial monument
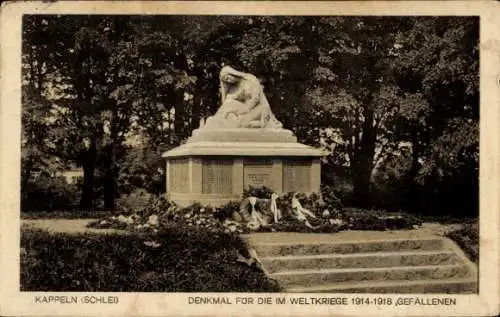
<point>242,145</point>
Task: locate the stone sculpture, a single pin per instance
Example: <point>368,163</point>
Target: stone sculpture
<point>244,104</point>
<point>241,145</point>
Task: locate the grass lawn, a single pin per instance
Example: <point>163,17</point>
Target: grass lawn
<point>174,260</point>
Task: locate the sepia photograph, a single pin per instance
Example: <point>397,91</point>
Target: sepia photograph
<point>312,154</point>
<point>342,151</point>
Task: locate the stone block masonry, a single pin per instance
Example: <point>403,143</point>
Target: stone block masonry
<point>216,180</point>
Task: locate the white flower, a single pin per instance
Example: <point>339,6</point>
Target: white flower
<point>153,220</point>
<point>326,213</point>
<point>338,222</point>
<point>127,220</point>
<point>152,244</point>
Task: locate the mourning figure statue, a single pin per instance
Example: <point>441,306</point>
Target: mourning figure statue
<point>244,104</point>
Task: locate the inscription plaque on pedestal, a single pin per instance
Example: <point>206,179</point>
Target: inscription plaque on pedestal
<point>217,177</point>
<point>179,176</point>
<point>296,176</point>
<point>258,173</point>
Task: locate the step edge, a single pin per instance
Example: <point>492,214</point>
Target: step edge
<point>357,255</point>
<point>346,242</point>
<point>369,283</point>
<point>358,270</point>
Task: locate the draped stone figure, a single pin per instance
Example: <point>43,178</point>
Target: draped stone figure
<point>244,104</point>
<point>240,146</point>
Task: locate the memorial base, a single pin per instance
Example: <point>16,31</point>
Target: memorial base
<point>214,173</point>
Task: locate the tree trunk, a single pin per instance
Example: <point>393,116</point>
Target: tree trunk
<point>196,111</point>
<point>178,98</point>
<point>109,181</point>
<point>180,114</point>
<point>110,165</point>
<point>89,164</point>
<point>415,155</point>
<point>25,174</point>
<point>363,167</point>
<point>361,181</point>
<point>413,200</point>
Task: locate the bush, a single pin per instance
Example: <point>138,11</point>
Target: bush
<point>363,219</point>
<point>144,205</point>
<point>158,205</point>
<point>49,194</point>
<point>174,260</point>
<point>330,198</point>
<point>467,239</point>
<point>137,199</point>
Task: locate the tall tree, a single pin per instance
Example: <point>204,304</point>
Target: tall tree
<point>356,91</point>
<point>439,58</point>
<point>44,68</point>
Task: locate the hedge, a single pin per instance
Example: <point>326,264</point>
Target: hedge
<point>173,260</point>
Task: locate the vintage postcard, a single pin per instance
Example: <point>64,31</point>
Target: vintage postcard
<point>250,158</point>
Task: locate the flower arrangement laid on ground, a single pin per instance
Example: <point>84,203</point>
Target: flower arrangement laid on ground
<point>259,210</point>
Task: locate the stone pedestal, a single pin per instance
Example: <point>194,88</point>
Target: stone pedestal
<point>214,167</point>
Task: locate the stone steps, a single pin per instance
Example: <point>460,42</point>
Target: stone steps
<point>404,273</point>
<point>284,249</point>
<point>359,260</point>
<point>327,263</point>
<point>449,286</point>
